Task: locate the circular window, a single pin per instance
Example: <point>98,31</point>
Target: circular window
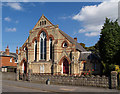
<point>65,44</point>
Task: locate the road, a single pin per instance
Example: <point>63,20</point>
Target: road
<point>23,86</point>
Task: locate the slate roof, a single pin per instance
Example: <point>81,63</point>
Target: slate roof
<point>77,45</point>
<point>88,56</point>
<point>14,55</point>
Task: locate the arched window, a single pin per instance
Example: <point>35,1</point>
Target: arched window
<point>35,50</point>
<point>40,23</point>
<point>45,22</point>
<point>65,44</point>
<point>26,51</point>
<point>71,55</point>
<point>50,48</point>
<point>43,46</point>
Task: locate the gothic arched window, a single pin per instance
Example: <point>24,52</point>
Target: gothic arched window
<point>35,50</point>
<point>71,55</point>
<point>50,48</point>
<point>45,22</point>
<point>26,50</point>
<point>43,46</point>
<point>40,24</point>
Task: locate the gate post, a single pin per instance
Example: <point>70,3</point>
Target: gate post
<point>17,75</point>
<point>29,75</point>
<point>114,83</point>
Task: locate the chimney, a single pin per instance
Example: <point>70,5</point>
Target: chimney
<point>7,50</point>
<point>75,39</point>
<point>17,50</point>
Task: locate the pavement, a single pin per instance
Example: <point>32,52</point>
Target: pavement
<point>24,86</point>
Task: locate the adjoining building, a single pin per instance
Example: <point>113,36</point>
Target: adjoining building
<point>49,50</point>
<point>8,60</point>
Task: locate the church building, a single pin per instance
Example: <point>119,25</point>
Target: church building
<point>49,50</point>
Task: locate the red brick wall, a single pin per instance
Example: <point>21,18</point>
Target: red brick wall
<point>6,61</point>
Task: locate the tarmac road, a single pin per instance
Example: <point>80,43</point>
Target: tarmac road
<point>23,86</point>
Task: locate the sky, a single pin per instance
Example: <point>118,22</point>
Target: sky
<point>83,20</point>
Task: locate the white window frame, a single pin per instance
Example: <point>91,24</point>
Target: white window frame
<point>64,45</point>
<point>34,48</point>
<point>10,59</point>
<point>50,41</point>
<point>41,68</point>
<point>42,37</point>
<point>15,61</point>
<point>62,68</point>
<point>23,68</point>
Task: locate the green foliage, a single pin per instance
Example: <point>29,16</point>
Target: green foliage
<point>109,44</point>
<point>117,68</point>
<point>107,68</point>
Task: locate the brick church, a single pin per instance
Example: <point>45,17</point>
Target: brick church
<point>49,50</point>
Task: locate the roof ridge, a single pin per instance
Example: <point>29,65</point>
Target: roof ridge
<point>46,19</point>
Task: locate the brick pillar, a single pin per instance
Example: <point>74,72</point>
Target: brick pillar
<point>29,74</point>
<point>72,68</point>
<point>54,69</point>
<point>38,51</point>
<point>69,68</point>
<point>17,74</point>
<point>55,59</point>
<point>114,80</point>
<point>55,53</point>
<point>47,51</point>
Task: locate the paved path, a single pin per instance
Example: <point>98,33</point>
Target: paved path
<point>21,86</point>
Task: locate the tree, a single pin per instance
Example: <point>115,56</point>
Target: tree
<point>82,44</point>
<point>109,43</point>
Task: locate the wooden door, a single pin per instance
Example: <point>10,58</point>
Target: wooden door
<point>65,66</point>
<point>25,67</point>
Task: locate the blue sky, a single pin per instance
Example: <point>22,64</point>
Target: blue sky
<point>75,19</point>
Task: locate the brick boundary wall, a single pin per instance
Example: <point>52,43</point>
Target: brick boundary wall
<point>95,81</point>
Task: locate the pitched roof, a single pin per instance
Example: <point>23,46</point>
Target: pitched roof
<point>14,55</point>
<point>40,19</point>
<point>88,56</point>
<point>77,45</point>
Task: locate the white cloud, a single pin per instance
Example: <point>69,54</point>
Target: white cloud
<point>11,29</point>
<point>93,16</point>
<point>92,34</point>
<point>16,21</point>
<point>91,28</point>
<point>8,19</point>
<point>16,6</point>
<point>65,17</point>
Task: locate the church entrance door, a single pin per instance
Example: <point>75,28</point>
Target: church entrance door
<point>65,66</point>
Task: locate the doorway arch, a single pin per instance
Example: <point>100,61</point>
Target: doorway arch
<point>24,66</point>
<point>65,66</point>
